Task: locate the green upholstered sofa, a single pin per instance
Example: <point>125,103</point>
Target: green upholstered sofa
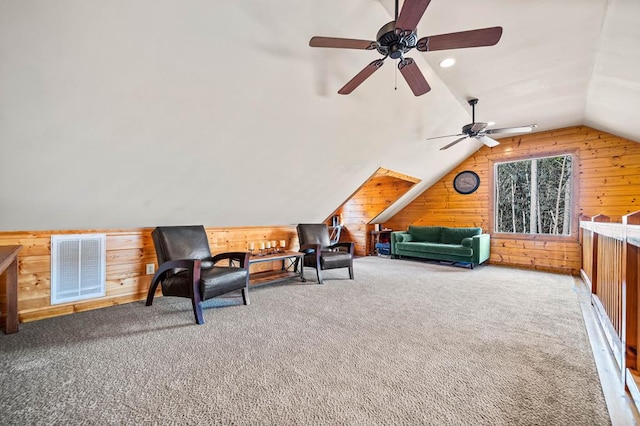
<point>468,245</point>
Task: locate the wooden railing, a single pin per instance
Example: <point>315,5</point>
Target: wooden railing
<point>610,261</point>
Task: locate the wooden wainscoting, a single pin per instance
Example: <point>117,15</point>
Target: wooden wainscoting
<point>128,253</point>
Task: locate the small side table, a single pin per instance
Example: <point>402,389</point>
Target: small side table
<point>377,236</point>
<point>9,270</point>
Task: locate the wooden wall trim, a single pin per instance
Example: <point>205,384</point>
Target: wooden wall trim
<point>391,173</point>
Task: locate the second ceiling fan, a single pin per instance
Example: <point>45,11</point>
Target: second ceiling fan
<point>479,131</point>
<point>398,37</point>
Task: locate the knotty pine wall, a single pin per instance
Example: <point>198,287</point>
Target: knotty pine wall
<point>128,252</point>
<point>608,183</point>
<point>371,199</point>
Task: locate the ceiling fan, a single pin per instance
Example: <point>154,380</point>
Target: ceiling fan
<point>398,37</point>
<point>480,131</point>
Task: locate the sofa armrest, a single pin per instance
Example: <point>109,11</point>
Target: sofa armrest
<point>396,237</point>
<point>481,245</point>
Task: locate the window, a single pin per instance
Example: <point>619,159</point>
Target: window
<point>533,196</point>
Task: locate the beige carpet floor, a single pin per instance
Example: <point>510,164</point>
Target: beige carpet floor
<point>406,342</point>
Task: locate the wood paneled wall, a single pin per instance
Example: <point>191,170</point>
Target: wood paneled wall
<point>128,252</point>
<point>608,183</point>
<point>372,198</point>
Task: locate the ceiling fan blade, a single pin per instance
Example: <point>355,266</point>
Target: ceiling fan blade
<point>413,76</point>
<point>471,38</point>
<point>488,141</point>
<point>411,13</point>
<point>361,76</point>
<point>521,129</point>
<point>453,143</point>
<point>447,136</point>
<point>477,127</point>
<point>342,43</point>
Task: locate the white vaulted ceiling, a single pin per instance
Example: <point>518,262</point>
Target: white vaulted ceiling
<point>126,114</point>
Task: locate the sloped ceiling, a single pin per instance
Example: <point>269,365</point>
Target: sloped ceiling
<point>614,87</point>
<point>127,114</point>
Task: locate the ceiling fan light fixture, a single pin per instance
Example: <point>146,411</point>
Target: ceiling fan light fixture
<point>447,63</point>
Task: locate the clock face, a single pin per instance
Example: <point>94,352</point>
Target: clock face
<point>466,182</point>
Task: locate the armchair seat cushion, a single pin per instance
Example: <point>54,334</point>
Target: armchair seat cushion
<point>213,282</point>
<point>216,281</point>
<point>335,259</point>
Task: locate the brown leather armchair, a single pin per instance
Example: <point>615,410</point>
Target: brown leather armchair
<point>320,253</point>
<point>187,269</point>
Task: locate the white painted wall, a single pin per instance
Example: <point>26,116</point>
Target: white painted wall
<point>125,114</point>
<point>156,112</point>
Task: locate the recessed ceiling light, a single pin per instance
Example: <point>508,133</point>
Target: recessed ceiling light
<point>491,123</point>
<point>446,63</point>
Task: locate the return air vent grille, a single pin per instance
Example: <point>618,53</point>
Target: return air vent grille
<point>77,267</point>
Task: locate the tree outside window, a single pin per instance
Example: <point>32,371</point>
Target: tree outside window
<point>534,196</point>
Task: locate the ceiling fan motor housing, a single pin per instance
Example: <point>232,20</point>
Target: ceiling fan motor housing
<point>467,129</point>
<point>393,43</point>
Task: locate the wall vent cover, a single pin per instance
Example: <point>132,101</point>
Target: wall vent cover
<point>77,267</point>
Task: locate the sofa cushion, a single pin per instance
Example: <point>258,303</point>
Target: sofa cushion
<point>436,248</point>
<point>456,235</point>
<point>410,246</point>
<point>454,249</point>
<point>426,233</point>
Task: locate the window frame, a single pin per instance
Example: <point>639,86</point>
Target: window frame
<point>575,195</point>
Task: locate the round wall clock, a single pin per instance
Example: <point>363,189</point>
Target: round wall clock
<point>466,182</point>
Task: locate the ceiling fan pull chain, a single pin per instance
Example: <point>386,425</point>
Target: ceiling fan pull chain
<point>395,75</point>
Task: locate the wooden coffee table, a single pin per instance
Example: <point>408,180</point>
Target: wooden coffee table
<point>292,266</point>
